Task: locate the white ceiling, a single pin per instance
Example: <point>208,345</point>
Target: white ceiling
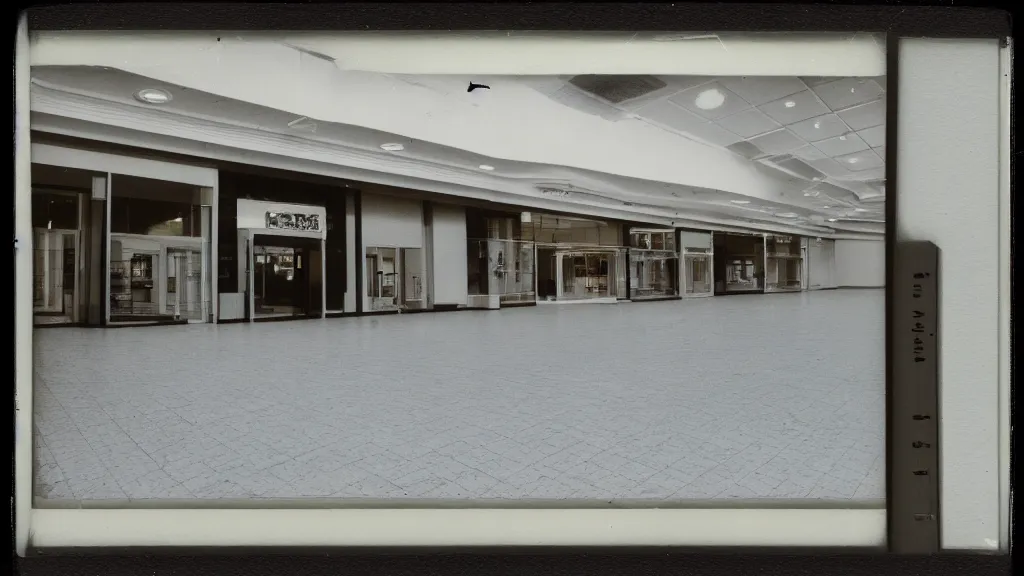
<point>845,196</point>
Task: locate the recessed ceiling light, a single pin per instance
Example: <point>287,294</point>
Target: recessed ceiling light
<point>817,124</point>
<point>790,104</point>
<point>842,138</point>
<point>853,160</point>
<point>486,167</point>
<point>392,147</point>
<point>153,96</point>
<point>710,99</point>
<point>831,219</point>
<point>740,201</point>
<point>860,209</point>
<point>826,207</point>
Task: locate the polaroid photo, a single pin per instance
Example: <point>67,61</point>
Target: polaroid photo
<point>365,289</point>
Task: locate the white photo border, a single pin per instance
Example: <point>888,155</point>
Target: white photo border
<point>861,55</point>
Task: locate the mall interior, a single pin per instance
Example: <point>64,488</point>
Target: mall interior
<point>171,201</point>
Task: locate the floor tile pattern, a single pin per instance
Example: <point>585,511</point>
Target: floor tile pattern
<point>771,396</point>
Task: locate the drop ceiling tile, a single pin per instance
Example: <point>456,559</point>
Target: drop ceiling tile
<point>733,104</point>
<point>748,123</point>
<point>860,161</point>
<point>841,145</point>
<point>874,136</point>
<point>865,115</point>
<point>802,105</point>
<point>763,89</point>
<point>847,92</point>
<point>870,174</point>
<point>778,142</point>
<point>808,153</point>
<point>880,150</point>
<point>830,167</point>
<point>675,118</point>
<point>819,128</point>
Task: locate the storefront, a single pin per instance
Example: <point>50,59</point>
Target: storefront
<point>285,246</point>
<point>653,264</point>
<point>120,239</point>
<point>500,267</point>
<point>283,257</point>
<point>784,263</point>
<point>578,260</point>
<point>697,250</point>
<point>739,263</point>
<point>395,263</point>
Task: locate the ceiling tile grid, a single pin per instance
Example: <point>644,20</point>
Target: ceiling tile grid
<point>835,125</point>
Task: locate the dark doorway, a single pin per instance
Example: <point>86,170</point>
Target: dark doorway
<point>547,287</point>
<point>287,277</point>
<point>739,264</point>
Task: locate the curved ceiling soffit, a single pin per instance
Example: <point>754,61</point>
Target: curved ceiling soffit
<point>398,107</point>
<point>601,193</point>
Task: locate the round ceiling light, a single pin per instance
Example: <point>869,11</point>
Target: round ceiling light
<point>740,201</point>
<point>831,219</point>
<point>392,147</point>
<point>790,104</point>
<point>153,96</point>
<point>860,209</point>
<point>710,99</point>
<point>853,160</point>
<point>487,167</point>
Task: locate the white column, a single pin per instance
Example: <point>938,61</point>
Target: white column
<point>558,276</point>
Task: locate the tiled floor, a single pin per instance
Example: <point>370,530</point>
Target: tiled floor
<point>778,396</point>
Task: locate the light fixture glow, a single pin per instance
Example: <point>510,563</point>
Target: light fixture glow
<point>831,219</point>
<point>486,167</point>
<point>392,147</point>
<point>842,138</point>
<point>787,215</point>
<point>178,219</point>
<point>860,209</point>
<point>153,96</point>
<point>817,124</point>
<point>853,160</point>
<point>790,104</point>
<point>827,207</point>
<point>740,201</point>
<point>710,99</point>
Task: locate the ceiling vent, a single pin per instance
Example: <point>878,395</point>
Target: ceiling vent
<point>617,89</point>
<point>794,167</point>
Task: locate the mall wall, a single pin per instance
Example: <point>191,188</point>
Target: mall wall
<point>821,264</point>
<point>449,246</point>
<point>860,263</point>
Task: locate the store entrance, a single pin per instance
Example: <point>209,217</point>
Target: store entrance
<point>585,274</point>
<point>739,264</point>
<point>286,277</point>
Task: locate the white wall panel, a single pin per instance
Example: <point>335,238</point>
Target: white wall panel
<point>949,126</point>
<point>450,246</point>
<point>389,221</point>
<point>821,264</point>
<point>860,263</point>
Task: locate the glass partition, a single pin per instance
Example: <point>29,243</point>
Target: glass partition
<point>653,264</point>
<point>783,264</point>
<point>502,267</point>
<point>159,251</point>
<point>382,279</point>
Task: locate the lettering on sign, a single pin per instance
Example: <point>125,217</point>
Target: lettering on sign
<point>918,327</point>
<point>293,221</point>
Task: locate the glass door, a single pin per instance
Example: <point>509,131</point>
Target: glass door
<point>697,274</point>
<point>183,297</point>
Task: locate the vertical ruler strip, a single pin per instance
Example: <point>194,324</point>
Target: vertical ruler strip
<point>914,462</point>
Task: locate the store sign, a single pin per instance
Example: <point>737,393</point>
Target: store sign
<point>293,221</point>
